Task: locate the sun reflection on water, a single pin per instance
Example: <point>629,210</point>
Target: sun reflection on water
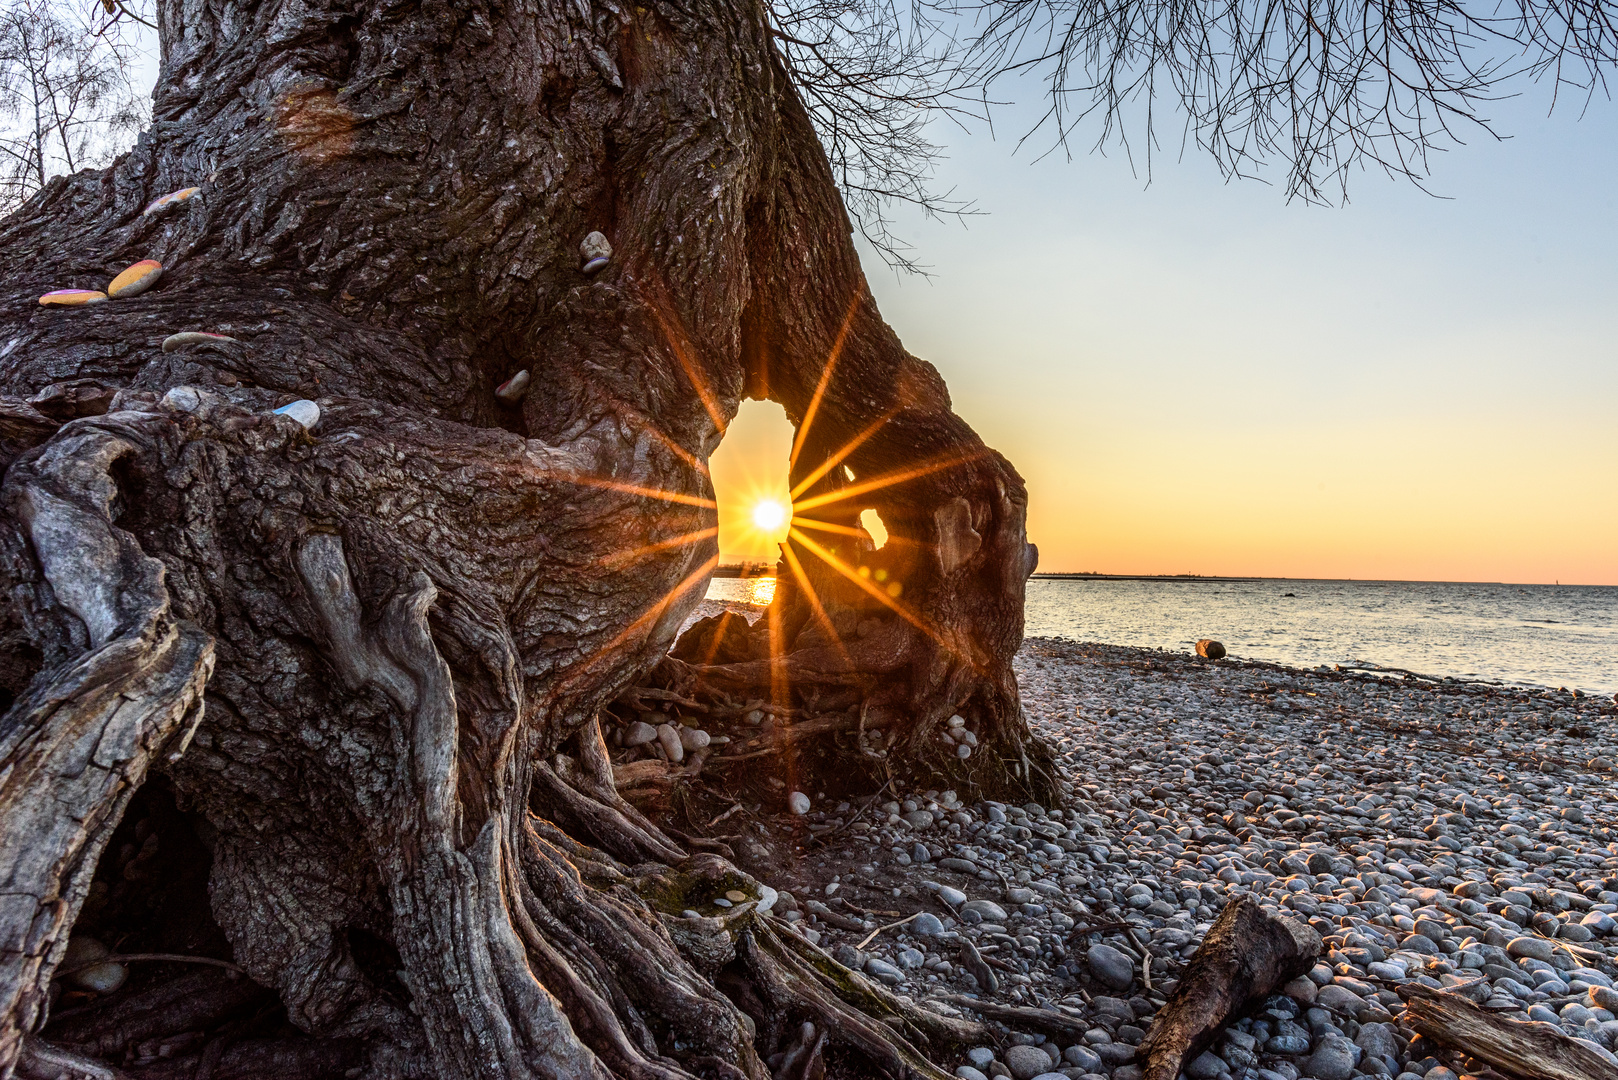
<point>758,590</point>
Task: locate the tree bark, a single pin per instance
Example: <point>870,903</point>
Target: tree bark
<point>410,618</point>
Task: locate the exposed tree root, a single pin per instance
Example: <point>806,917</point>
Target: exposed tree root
<point>77,745</point>
<point>527,951</point>
<point>422,602</point>
<point>799,983</point>
<point>40,1060</point>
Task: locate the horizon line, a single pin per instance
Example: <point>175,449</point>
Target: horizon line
<point>1188,578</point>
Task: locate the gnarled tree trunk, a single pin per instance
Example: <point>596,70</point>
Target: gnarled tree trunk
<point>371,656</point>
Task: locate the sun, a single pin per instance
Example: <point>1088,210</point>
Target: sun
<point>769,515</point>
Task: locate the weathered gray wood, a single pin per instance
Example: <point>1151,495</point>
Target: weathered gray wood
<point>1532,1050</point>
<point>76,746</point>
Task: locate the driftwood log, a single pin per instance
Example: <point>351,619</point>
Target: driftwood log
<point>1247,954</point>
<point>363,653</point>
<point>1530,1050</point>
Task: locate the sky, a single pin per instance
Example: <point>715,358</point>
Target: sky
<point>1195,376</point>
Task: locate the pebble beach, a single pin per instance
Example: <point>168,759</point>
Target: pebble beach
<point>1455,834</point>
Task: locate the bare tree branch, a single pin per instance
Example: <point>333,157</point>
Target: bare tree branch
<point>874,74</point>
<point>1325,86</point>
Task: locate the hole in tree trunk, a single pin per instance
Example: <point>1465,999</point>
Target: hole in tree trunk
<point>380,962</point>
<point>173,1020</point>
<point>150,896</point>
<point>749,472</point>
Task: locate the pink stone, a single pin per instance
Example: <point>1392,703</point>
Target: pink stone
<point>137,279</point>
<point>173,198</point>
<point>513,389</point>
<point>191,337</point>
<point>73,297</point>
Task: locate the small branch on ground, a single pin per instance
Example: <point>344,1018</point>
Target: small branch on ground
<point>1019,1018</point>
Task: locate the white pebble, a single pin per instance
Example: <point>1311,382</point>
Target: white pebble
<point>303,411</point>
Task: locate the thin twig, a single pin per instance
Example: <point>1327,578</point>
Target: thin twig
<point>127,958</point>
<point>724,815</point>
<point>873,934</point>
<point>816,841</point>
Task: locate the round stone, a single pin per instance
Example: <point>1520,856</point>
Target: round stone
<point>173,198</point>
<point>594,252</point>
<point>1082,1057</point>
<point>514,388</point>
<point>1111,966</point>
<point>669,740</point>
<point>101,978</point>
<point>192,337</point>
<point>798,803</point>
<point>1531,947</point>
<point>1334,1058</point>
<point>926,925</point>
<point>1599,922</point>
<point>1027,1062</point>
<point>883,971</point>
<point>988,910</point>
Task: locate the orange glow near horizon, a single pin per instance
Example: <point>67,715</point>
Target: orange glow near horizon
<point>1116,503</point>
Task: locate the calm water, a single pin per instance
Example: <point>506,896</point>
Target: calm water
<point>1543,635</point>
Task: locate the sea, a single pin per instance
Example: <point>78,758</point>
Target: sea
<point>1528,635</point>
